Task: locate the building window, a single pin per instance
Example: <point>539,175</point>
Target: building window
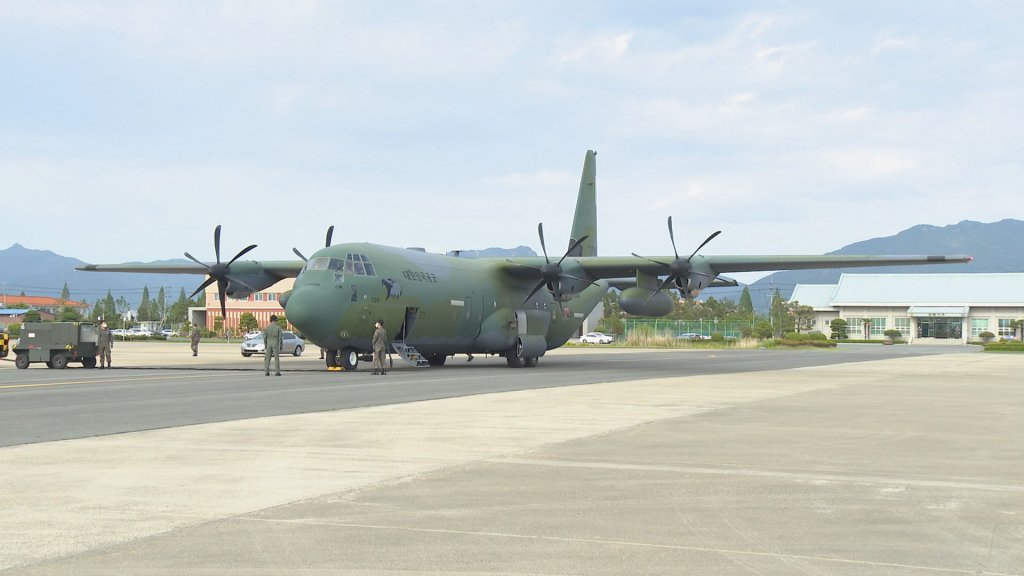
<point>902,324</point>
<point>1006,328</point>
<point>257,297</point>
<point>878,326</point>
<point>272,297</point>
<point>978,325</point>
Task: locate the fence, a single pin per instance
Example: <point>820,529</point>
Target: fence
<point>673,328</point>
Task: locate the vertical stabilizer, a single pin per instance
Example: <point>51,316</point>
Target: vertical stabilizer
<point>585,221</point>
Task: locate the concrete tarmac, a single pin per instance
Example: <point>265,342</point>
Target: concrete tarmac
<point>901,465</point>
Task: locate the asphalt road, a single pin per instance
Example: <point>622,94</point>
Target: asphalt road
<point>165,387</point>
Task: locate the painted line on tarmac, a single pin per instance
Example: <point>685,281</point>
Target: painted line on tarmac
<point>805,477</point>
<point>105,381</point>
<point>708,550</point>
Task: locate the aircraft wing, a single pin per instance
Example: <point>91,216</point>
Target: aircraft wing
<point>246,275</point>
<point>623,266</point>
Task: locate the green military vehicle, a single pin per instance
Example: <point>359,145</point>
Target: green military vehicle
<point>57,343</point>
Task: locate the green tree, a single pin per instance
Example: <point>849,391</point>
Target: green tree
<point>803,316</point>
<point>839,329</point>
<point>780,318</point>
<point>160,305</point>
<point>65,294</point>
<point>144,308</point>
<point>247,322</point>
<point>33,316</point>
<point>282,322</point>
<point>69,314</point>
<point>109,309</point>
<point>746,303</point>
<point>611,321</point>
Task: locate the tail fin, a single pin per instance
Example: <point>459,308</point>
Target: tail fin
<point>585,221</point>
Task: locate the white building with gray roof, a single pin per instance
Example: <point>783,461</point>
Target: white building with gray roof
<point>925,308</point>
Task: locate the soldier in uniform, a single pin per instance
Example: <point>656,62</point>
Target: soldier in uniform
<point>105,342</point>
<point>195,337</point>
<point>380,343</point>
<point>273,339</point>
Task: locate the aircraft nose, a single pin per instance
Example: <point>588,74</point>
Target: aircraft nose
<point>310,309</point>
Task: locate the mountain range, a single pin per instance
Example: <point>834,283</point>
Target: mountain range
<point>994,247</point>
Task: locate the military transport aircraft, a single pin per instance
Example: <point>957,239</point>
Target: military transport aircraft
<point>518,308</point>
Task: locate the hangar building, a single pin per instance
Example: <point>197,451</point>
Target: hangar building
<point>925,308</point>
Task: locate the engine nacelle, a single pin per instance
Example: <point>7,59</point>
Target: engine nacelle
<point>635,301</point>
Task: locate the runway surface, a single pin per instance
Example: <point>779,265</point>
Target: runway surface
<point>160,385</point>
<point>865,460</point>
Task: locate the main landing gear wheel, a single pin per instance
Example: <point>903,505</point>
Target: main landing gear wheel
<point>437,359</point>
<point>349,359</point>
<point>331,357</point>
<point>517,358</point>
<point>89,362</point>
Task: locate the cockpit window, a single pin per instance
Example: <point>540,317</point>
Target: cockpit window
<point>323,263</point>
<point>359,265</point>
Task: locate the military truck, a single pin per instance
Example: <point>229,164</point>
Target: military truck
<point>57,343</point>
<point>5,342</point>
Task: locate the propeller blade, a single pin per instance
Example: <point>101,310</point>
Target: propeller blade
<point>222,288</point>
<point>543,247</point>
<point>704,243</point>
<point>535,289</point>
<point>672,236</point>
<point>649,260</point>
<point>194,259</point>
<point>216,242</point>
<point>660,288</point>
<point>330,234</point>
<point>573,247</point>
<point>203,286</point>
<point>242,253</point>
<point>299,254</point>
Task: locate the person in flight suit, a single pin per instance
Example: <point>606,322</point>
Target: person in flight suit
<point>104,343</point>
<point>273,340</point>
<point>195,337</point>
<point>380,344</point>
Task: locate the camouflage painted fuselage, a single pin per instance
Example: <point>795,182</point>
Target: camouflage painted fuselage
<point>439,304</point>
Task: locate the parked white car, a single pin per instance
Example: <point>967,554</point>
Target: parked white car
<point>292,345</point>
<point>596,338</point>
<point>138,332</point>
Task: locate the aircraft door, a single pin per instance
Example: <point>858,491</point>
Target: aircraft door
<point>472,313</point>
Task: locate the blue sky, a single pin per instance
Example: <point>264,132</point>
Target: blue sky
<point>128,130</point>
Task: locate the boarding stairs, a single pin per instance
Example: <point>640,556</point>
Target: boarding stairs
<point>410,354</point>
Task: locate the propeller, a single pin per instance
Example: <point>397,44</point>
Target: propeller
<point>679,270</point>
<point>327,244</point>
<point>219,272</point>
<point>551,272</point>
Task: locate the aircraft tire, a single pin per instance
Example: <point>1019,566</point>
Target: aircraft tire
<point>515,356</point>
<point>21,361</point>
<point>349,360</point>
<point>437,359</point>
<point>531,362</point>
<point>89,362</point>
<point>331,357</point>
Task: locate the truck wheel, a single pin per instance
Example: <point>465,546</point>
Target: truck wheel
<point>89,362</point>
<point>21,361</point>
<point>60,361</point>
